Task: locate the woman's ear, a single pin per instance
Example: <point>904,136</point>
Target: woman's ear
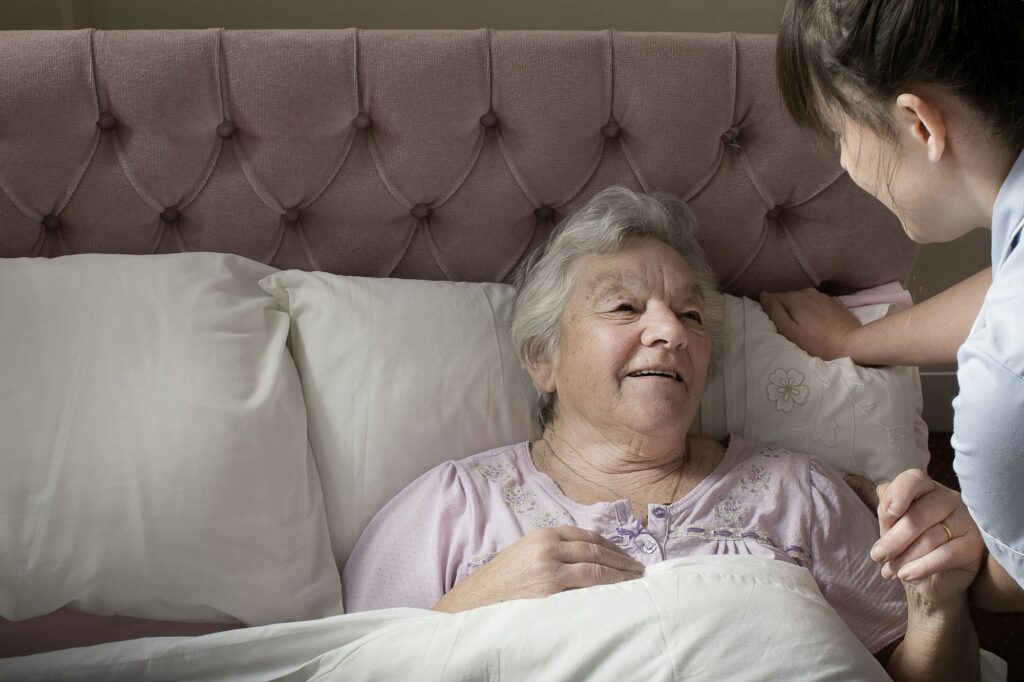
<point>924,123</point>
<point>543,374</point>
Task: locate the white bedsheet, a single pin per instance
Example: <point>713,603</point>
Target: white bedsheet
<point>700,618</point>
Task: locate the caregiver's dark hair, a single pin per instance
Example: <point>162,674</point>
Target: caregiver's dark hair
<point>857,56</point>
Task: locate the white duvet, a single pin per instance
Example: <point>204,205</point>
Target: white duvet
<point>699,618</point>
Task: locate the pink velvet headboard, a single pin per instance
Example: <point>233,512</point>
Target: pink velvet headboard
<point>430,154</point>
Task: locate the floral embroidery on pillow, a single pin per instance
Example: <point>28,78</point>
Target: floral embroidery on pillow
<point>785,389</point>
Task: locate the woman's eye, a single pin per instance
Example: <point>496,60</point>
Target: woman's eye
<point>694,316</point>
<point>625,308</point>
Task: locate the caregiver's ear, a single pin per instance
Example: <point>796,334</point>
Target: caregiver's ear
<point>924,121</point>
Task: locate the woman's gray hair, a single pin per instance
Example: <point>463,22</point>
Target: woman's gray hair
<point>546,278</point>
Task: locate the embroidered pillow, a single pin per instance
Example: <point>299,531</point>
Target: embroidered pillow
<point>861,420</point>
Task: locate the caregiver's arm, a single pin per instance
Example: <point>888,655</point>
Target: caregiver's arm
<point>995,590</point>
<point>928,333</point>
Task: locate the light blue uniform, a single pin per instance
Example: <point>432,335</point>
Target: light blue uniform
<point>988,421</point>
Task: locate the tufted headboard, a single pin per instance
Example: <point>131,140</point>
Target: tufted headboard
<point>420,154</point>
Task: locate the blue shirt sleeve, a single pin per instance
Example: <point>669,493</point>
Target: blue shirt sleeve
<point>988,437</point>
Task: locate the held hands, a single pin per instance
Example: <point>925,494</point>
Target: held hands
<point>543,562</point>
<point>914,513</point>
<point>816,322</point>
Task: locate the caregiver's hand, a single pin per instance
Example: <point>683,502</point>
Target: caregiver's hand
<point>812,320</point>
<point>543,562</point>
<point>936,566</point>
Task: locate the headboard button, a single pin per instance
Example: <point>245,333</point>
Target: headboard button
<point>489,120</point>
<point>420,211</point>
<point>106,121</point>
<point>611,130</point>
<point>731,137</point>
<point>544,212</point>
<point>169,215</point>
<point>774,213</point>
<point>362,121</point>
<point>291,216</point>
<point>226,129</point>
<point>51,222</point>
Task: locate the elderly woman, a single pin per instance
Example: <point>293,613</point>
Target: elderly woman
<point>615,322</point>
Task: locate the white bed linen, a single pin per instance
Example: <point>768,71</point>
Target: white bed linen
<point>733,617</point>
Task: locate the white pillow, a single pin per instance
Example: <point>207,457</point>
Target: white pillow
<point>861,420</point>
<point>401,375</point>
<point>154,455</point>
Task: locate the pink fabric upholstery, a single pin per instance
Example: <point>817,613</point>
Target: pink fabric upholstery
<point>432,154</point>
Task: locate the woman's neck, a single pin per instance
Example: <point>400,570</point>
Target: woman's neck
<point>643,470</point>
<point>616,454</point>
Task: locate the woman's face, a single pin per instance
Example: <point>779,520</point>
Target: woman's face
<point>634,351</point>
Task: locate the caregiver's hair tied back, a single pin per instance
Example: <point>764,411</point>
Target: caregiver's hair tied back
<point>857,56</point>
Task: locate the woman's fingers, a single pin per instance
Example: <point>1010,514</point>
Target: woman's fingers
<point>576,534</point>
<point>865,490</point>
<point>777,311</point>
<point>812,320</point>
<point>574,576</point>
<point>958,553</point>
<point>582,552</point>
<point>896,497</point>
<point>930,540</point>
<point>587,558</point>
<point>926,512</point>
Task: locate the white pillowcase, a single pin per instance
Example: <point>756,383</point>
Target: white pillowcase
<point>861,420</point>
<point>154,455</point>
<point>401,375</point>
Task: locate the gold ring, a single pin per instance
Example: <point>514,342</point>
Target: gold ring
<point>949,533</point>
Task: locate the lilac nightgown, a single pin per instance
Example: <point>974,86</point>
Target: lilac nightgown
<point>759,500</point>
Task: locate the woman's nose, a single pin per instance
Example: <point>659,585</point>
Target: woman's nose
<point>663,327</point>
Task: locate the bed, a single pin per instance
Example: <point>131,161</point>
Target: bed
<point>394,179</point>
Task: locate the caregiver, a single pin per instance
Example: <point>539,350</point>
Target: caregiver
<point>926,102</point>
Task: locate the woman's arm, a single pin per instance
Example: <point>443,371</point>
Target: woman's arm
<point>940,644</point>
<point>543,562</point>
<point>409,553</point>
<point>928,333</point>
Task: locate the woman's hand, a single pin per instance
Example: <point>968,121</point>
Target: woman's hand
<point>816,322</point>
<point>913,514</point>
<point>543,562</point>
